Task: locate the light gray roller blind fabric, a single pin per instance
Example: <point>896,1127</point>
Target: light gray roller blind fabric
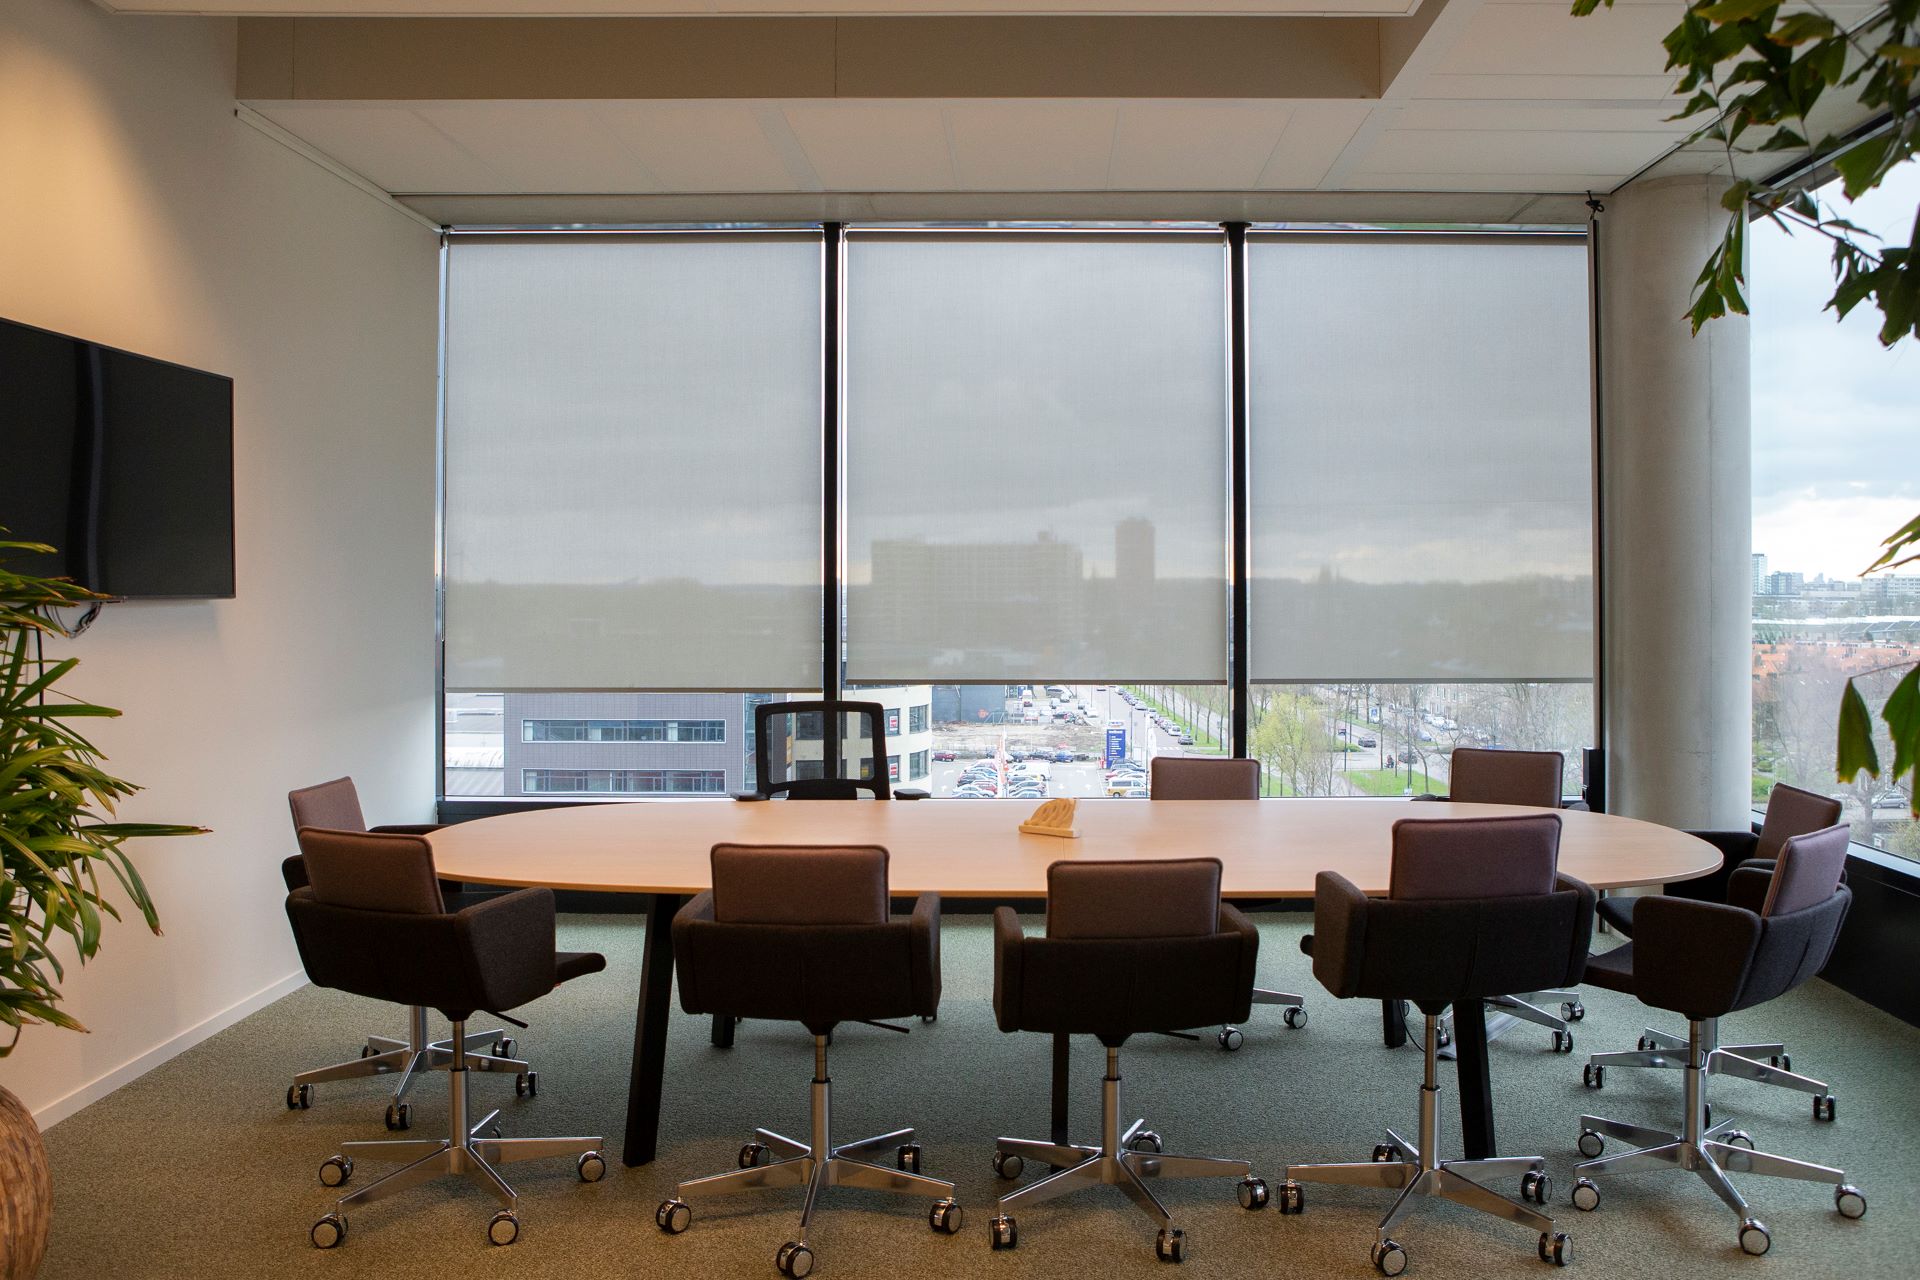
<point>633,492</point>
<point>1036,457</point>
<point>1421,460</point>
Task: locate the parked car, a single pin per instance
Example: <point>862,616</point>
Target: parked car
<point>1185,739</point>
<point>1063,757</point>
<point>1369,742</point>
<point>945,755</point>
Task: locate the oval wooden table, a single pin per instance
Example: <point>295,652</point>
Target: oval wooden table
<point>1268,849</point>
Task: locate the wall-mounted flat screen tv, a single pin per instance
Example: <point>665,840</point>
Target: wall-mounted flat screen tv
<point>122,463</point>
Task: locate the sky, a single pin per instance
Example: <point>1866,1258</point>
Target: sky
<point>1836,416</point>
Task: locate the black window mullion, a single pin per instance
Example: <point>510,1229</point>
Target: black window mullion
<point>1239,692</point>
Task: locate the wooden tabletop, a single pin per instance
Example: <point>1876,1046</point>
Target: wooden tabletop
<point>974,848</point>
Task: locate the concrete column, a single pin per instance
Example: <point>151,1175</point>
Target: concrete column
<point>1677,504</point>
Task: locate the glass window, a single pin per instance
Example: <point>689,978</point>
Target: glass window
<point>917,719</point>
<point>624,731</point>
<point>624,781</point>
<point>633,493</point>
<point>1036,456</point>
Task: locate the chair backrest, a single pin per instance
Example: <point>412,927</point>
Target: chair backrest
<point>1792,812</point>
<point>1203,778</point>
<point>799,884</point>
<point>797,754</point>
<point>371,872</point>
<point>1176,898</point>
<point>1482,776</point>
<point>1474,857</point>
<point>333,806</point>
<point>1808,870</point>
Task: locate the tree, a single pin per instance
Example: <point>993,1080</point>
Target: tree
<point>1292,743</point>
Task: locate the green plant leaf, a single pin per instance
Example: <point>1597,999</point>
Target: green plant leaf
<point>1855,750</point>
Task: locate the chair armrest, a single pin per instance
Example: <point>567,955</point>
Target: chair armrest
<point>924,932</point>
<point>1582,936</point>
<point>1576,806</point>
<point>1234,920</point>
<point>1747,887</point>
<point>408,828</point>
<point>510,942</point>
<point>1735,847</point>
<point>690,978</point>
<point>1339,932</point>
<point>1692,957</point>
<point>1007,941</point>
<point>294,871</point>
<point>911,793</point>
<point>1428,795</point>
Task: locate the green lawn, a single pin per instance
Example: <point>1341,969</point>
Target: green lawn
<point>1386,782</point>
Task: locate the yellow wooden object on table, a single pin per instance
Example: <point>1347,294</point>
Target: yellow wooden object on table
<point>1053,818</point>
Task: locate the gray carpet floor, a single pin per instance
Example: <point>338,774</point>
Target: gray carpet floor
<point>197,1169</point>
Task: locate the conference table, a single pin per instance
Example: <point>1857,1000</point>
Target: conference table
<point>1268,849</point>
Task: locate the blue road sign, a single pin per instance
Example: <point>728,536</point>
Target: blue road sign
<point>1116,742</point>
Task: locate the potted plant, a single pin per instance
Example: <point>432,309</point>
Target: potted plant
<point>56,833</point>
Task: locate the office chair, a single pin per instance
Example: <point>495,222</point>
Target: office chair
<point>371,921</point>
<point>1475,906</point>
<point>1705,960</point>
<point>850,762</point>
<point>335,806</point>
<point>802,934</point>
<point>1130,947</point>
<point>1214,778</point>
<point>1790,812</point>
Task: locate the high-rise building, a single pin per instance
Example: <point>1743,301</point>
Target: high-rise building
<point>1759,573</point>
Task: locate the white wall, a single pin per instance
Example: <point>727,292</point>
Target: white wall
<point>135,210</point>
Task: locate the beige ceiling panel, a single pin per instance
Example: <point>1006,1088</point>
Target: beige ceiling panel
<point>1315,135</point>
<point>1205,146</point>
<point>1570,88</point>
<point>699,146</point>
<point>875,146</point>
<point>1545,39</point>
<point>1517,182</point>
<point>541,146</point>
<point>387,144</point>
<point>1470,154</point>
<point>654,8</point>
<point>1031,146</point>
<point>1547,116</point>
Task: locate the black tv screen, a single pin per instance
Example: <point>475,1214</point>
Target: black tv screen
<point>122,463</point>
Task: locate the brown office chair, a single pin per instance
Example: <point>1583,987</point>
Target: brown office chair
<point>1790,812</point>
<point>802,934</point>
<point>1130,947</point>
<point>1475,906</point>
<point>1704,960</point>
<point>371,921</point>
<point>335,806</point>
<point>1219,778</point>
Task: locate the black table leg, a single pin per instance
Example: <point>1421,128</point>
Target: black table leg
<point>650,1031</point>
<point>1393,1023</point>
<point>1062,1065</point>
<point>722,1035</point>
<point>1470,1073</point>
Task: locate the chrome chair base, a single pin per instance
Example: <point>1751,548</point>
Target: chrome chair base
<point>1129,1161</point>
<point>1709,1151</point>
<point>409,1059</point>
<point>1504,1013</point>
<point>464,1152</point>
<point>1762,1063</point>
<point>817,1165</point>
<point>1417,1172</point>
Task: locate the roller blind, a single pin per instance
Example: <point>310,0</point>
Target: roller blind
<point>1421,462</point>
<point>633,490</point>
<point>1036,457</point>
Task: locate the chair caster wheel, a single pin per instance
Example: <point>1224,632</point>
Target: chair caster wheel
<point>1231,1038</point>
<point>1738,1138</point>
<point>336,1170</point>
<point>399,1116</point>
<point>1385,1153</point>
<point>1556,1248</point>
<point>1002,1233</point>
<point>1593,1075</point>
<point>1008,1164</point>
<point>926,1018</point>
<point>673,1216</point>
<point>1445,1036</point>
<point>1784,1061</point>
<point>1388,1258</point>
<point>1295,1017</point>
<point>794,1259</point>
<point>299,1097</point>
<point>1586,1195</point>
<point>907,1158</point>
<point>366,1051</point>
<point>1145,1140</point>
<point>752,1154</point>
<point>503,1047</point>
<point>1754,1238</point>
<point>1293,1198</point>
<point>1644,1045</point>
<point>1823,1107</point>
<point>526,1085</point>
<point>1253,1193</point>
<point>1591,1144</point>
<point>1536,1188</point>
<point>1573,1011</point>
<point>945,1217</point>
<point>1563,1042</point>
<point>329,1232</point>
<point>591,1166</point>
<point>1850,1201</point>
<point>1170,1245</point>
<point>503,1229</point>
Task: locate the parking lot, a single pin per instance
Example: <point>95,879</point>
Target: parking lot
<point>1031,749</point>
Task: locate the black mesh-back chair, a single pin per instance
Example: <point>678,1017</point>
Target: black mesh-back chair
<point>1790,812</point>
<point>1704,960</point>
<point>335,806</point>
<point>796,759</point>
<point>1130,947</point>
<point>1219,778</point>
<point>371,921</point>
<point>802,934</point>
<point>1475,907</point>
